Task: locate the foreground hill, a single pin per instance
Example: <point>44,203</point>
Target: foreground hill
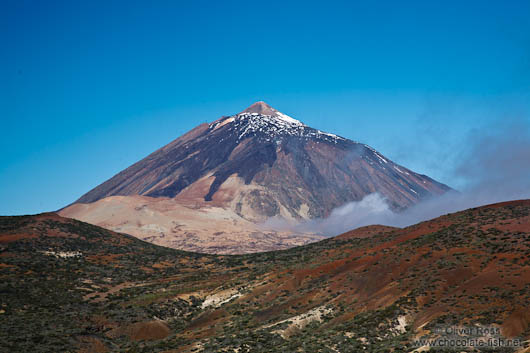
<point>67,285</point>
<point>241,170</point>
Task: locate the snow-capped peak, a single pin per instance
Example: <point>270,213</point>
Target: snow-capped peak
<point>263,109</point>
<point>262,120</point>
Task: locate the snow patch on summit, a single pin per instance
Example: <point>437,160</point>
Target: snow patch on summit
<point>271,125</point>
<point>288,119</point>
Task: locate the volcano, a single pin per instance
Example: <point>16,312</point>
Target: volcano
<point>243,169</point>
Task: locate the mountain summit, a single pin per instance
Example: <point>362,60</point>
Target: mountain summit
<point>260,108</point>
<point>261,163</point>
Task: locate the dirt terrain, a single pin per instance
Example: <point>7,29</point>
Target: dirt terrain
<point>185,224</point>
<point>67,285</point>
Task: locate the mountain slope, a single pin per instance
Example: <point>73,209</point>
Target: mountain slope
<point>211,189</point>
<point>185,225</point>
<point>67,285</point>
<point>263,163</point>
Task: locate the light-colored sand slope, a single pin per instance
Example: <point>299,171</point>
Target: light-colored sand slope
<point>186,226</point>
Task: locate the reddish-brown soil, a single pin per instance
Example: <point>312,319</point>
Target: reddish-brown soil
<point>466,268</point>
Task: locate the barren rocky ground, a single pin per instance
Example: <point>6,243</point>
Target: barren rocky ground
<point>70,286</point>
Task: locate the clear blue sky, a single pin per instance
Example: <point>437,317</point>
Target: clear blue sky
<point>89,87</point>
